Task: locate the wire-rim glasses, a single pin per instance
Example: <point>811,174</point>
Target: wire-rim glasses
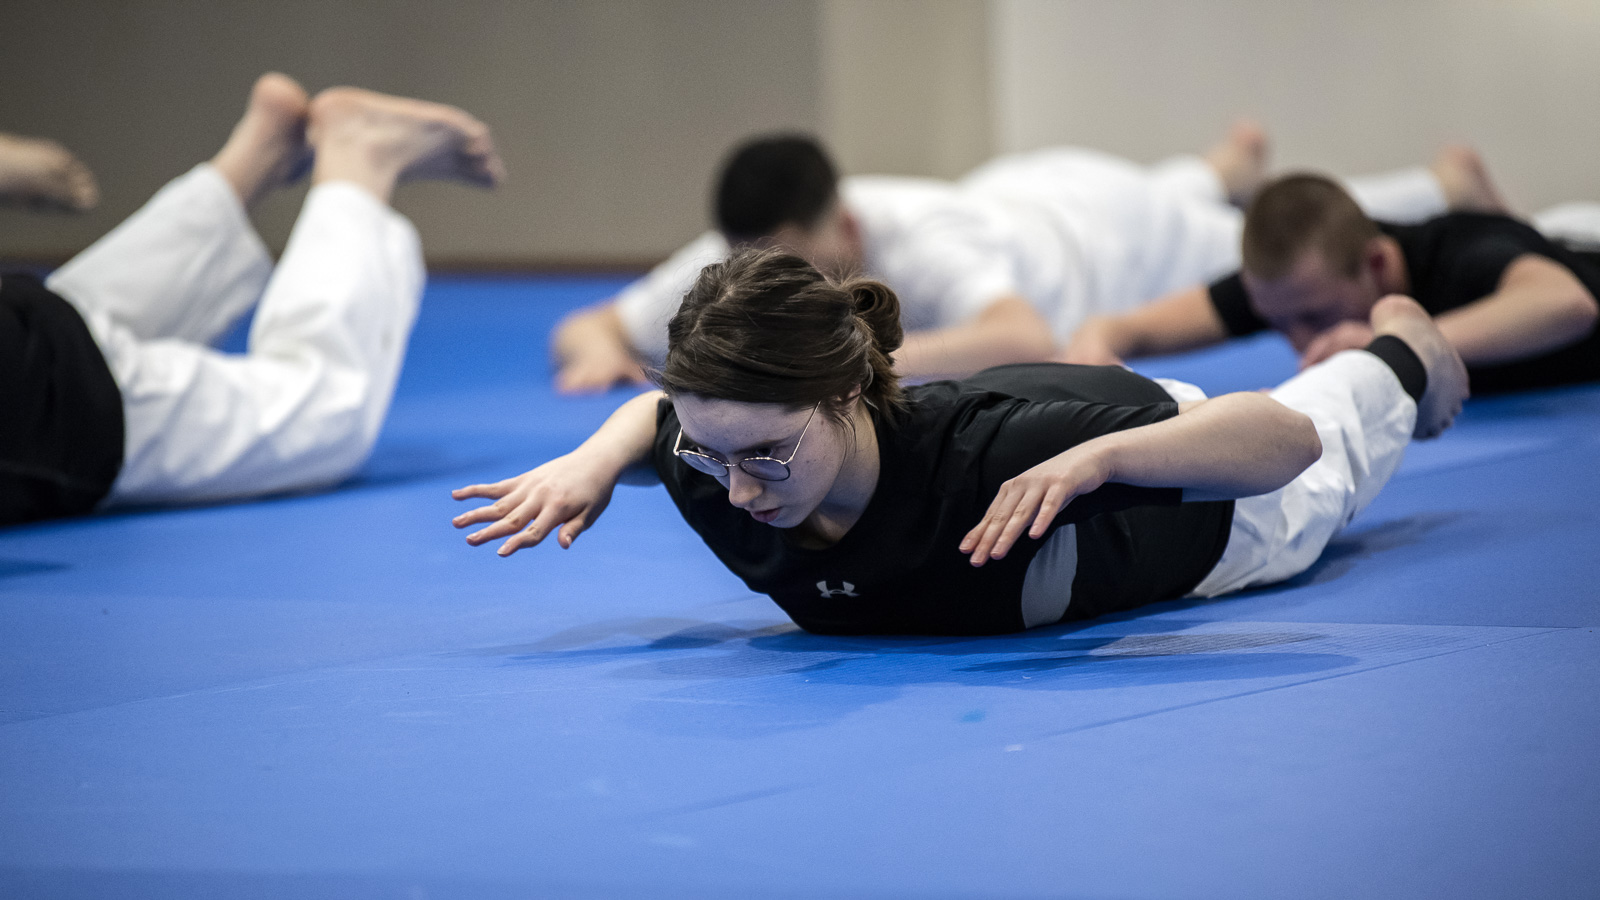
<point>765,468</point>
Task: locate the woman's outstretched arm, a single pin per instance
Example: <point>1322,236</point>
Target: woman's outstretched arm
<point>1236,445</point>
<point>569,492</point>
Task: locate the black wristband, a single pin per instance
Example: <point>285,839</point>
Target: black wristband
<point>1398,356</point>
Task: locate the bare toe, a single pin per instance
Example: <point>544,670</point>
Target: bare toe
<point>377,139</point>
<point>267,148</point>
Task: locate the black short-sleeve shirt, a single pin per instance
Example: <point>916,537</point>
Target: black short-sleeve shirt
<point>1454,260</point>
<point>940,467</point>
<point>61,426</point>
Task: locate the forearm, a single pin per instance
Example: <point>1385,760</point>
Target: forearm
<point>1539,307</point>
<point>623,443</point>
<point>1181,321</point>
<point>1236,445</point>
<point>1009,331</point>
<point>593,330</point>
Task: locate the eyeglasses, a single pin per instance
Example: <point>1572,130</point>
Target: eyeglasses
<point>763,467</point>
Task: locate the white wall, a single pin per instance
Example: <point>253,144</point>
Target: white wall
<point>1346,85</point>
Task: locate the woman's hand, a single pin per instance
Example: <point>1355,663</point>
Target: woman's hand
<point>568,493</point>
<point>1036,496</point>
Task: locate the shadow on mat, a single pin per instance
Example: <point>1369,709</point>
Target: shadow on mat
<point>11,568</point>
<point>1351,547</point>
<point>786,681</point>
<point>737,680</point>
<point>1135,651</point>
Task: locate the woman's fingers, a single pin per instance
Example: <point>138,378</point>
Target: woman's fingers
<point>999,507</point>
<point>1054,498</point>
<point>510,523</point>
<point>474,516</point>
<point>576,526</point>
<point>1011,528</point>
<point>548,519</point>
<point>484,491</point>
<point>1000,513</point>
<point>1030,507</point>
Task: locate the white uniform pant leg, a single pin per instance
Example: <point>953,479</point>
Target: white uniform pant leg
<point>1172,226</point>
<point>1365,419</point>
<point>1190,175</point>
<point>303,407</point>
<point>1404,196</point>
<point>1137,232</point>
<point>1576,224</point>
<point>1188,234</point>
<point>187,265</point>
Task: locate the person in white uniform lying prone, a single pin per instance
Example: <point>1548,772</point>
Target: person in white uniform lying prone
<point>110,393</point>
<point>999,267</point>
<point>1027,495</point>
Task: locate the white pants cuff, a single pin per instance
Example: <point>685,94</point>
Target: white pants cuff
<point>1364,419</point>
<point>186,265</point>
<point>303,407</point>
<point>1404,196</point>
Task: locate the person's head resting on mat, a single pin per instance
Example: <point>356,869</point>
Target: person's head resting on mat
<point>783,191</point>
<point>1312,259</point>
<point>777,375</point>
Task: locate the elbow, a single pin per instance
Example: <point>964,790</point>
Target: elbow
<point>1299,445</point>
<point>1307,443</point>
<point>1581,313</point>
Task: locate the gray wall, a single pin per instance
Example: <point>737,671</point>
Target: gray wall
<point>906,85</point>
<point>612,114</point>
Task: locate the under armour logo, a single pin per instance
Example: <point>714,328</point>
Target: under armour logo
<point>849,590</point>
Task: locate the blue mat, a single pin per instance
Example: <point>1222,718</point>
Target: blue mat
<point>333,696</point>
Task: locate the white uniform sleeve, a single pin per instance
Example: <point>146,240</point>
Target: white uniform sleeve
<point>647,305</point>
<point>949,271</point>
<point>947,254</point>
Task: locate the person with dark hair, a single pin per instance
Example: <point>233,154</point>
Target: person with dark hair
<point>784,437</point>
<point>110,393</point>
<point>998,267</point>
<point>1519,306</point>
<point>773,182</point>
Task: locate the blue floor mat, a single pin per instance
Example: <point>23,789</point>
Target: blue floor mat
<point>333,696</point>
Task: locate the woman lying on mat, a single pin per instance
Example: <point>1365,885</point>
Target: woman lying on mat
<point>1023,496</point>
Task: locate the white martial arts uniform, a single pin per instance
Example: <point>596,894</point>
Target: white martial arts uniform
<point>303,407</point>
<point>1075,232</point>
<point>1365,420</point>
<point>1575,224</point>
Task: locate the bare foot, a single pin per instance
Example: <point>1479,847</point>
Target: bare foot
<point>41,173</point>
<point>378,140</point>
<point>267,149</point>
<point>1404,318</point>
<point>1240,160</point>
<point>1465,181</point>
